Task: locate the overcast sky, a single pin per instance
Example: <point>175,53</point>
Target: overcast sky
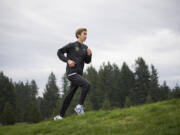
<point>32,31</point>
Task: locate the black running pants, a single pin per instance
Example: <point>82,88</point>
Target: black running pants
<point>76,81</point>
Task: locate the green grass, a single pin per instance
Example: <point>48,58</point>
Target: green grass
<point>161,118</point>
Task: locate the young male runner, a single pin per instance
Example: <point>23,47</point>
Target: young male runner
<point>77,54</point>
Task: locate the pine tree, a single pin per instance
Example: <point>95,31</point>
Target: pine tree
<point>164,90</point>
<point>126,83</point>
<point>105,82</point>
<point>7,93</point>
<point>176,92</point>
<point>154,85</point>
<point>93,98</point>
<point>32,114</point>
<point>142,82</point>
<point>8,116</point>
<point>50,96</point>
<point>57,108</point>
<point>25,95</point>
<point>116,91</point>
<point>22,99</point>
<point>34,89</point>
<point>65,85</point>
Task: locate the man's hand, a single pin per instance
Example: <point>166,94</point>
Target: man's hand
<point>71,63</point>
<point>89,51</point>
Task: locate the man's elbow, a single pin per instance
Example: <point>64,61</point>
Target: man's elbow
<point>88,61</point>
<point>58,52</point>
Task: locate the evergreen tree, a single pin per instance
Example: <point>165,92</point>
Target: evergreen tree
<point>95,95</point>
<point>116,91</point>
<point>164,90</point>
<point>34,89</point>
<point>176,92</point>
<point>65,85</point>
<point>50,96</point>
<point>126,83</point>
<point>25,95</point>
<point>154,85</point>
<point>7,93</point>
<point>32,114</point>
<point>8,116</point>
<point>57,108</point>
<point>105,82</point>
<point>142,82</point>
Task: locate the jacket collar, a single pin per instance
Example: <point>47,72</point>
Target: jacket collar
<point>79,44</point>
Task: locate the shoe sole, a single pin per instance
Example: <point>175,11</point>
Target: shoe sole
<point>57,119</point>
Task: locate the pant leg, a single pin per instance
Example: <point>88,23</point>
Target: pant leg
<point>68,98</point>
<point>83,83</point>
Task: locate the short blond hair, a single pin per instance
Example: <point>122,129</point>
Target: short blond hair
<point>79,31</point>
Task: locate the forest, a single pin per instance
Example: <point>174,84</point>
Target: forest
<point>112,87</point>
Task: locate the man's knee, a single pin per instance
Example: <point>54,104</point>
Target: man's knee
<point>88,85</point>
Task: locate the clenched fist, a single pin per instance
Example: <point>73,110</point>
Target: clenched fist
<point>89,51</point>
<point>71,63</point>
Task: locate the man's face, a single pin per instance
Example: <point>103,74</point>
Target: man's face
<point>83,35</point>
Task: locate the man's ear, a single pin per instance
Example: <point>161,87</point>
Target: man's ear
<point>78,36</point>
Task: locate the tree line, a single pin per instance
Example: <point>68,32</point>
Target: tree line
<point>112,87</point>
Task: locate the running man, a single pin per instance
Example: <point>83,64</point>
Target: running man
<point>77,54</point>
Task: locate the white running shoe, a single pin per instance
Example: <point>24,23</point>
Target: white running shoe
<point>79,109</point>
<point>58,117</point>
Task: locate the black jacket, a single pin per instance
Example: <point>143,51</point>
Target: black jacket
<point>76,52</point>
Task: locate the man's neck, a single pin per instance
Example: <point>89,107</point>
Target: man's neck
<point>81,42</point>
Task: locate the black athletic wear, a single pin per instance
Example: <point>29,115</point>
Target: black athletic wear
<point>76,52</point>
<point>76,81</point>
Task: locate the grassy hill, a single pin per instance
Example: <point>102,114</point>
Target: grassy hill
<point>162,118</point>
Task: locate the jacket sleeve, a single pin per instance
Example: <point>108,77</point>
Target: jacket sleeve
<point>61,51</point>
<point>88,58</point>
